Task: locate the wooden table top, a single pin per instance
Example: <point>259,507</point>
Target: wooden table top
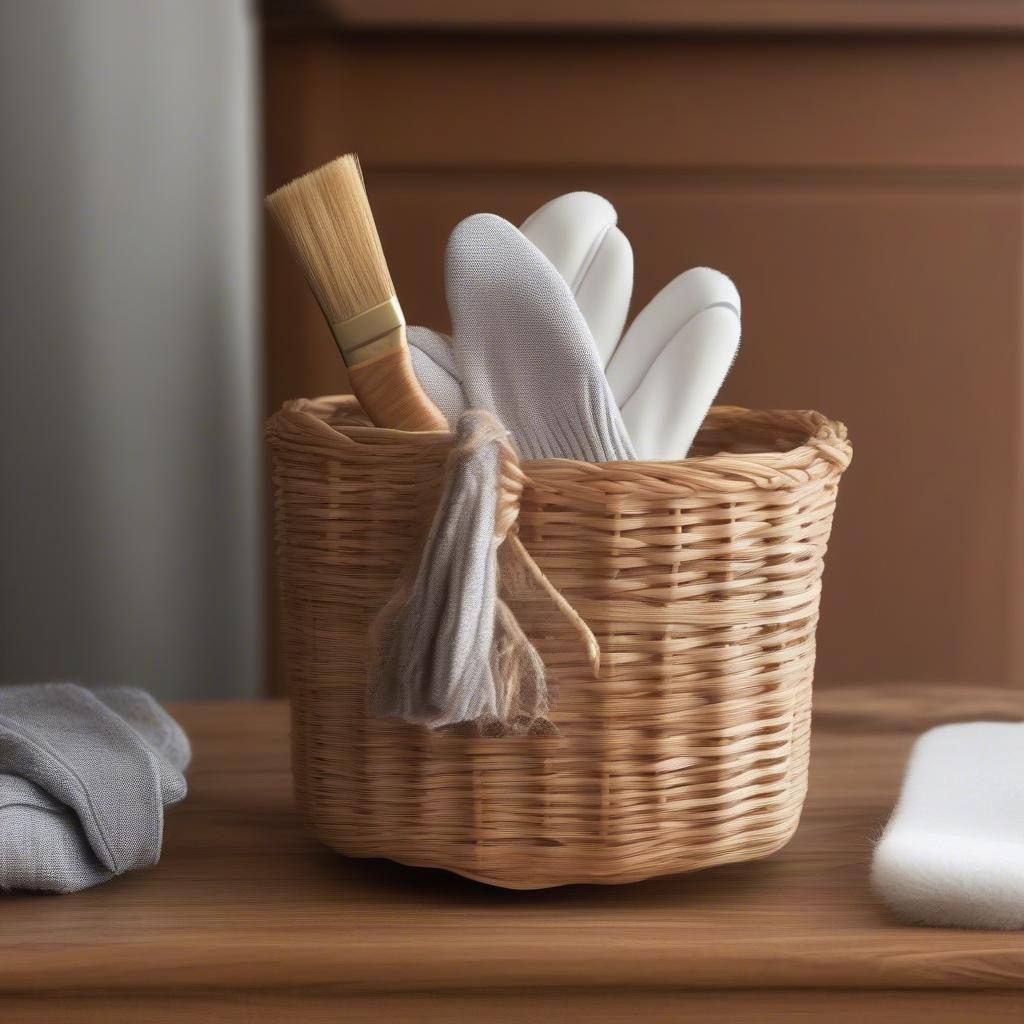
<point>244,910</point>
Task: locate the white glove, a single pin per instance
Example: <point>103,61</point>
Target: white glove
<point>668,367</point>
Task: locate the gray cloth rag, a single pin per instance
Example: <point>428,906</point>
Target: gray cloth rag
<point>447,649</point>
<point>85,776</point>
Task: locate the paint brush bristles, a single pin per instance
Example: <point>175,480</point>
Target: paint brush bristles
<point>326,216</point>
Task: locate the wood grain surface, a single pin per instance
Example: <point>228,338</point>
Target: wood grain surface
<point>246,918</point>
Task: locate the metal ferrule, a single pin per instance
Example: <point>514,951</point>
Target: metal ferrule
<point>370,334</point>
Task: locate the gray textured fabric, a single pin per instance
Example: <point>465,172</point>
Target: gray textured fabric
<point>434,363</point>
<point>523,349</point>
<point>447,649</point>
<point>84,779</point>
<point>520,348</point>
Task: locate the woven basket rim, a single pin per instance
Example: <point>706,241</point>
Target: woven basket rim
<point>824,449</point>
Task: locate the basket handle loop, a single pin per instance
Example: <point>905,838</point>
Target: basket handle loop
<point>512,482</point>
<point>573,617</point>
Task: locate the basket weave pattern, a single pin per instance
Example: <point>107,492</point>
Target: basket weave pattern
<point>700,580</point>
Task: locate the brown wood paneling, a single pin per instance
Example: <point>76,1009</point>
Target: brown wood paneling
<point>866,196</point>
<point>568,101</point>
<point>864,16</point>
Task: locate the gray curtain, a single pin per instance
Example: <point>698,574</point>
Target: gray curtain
<point>129,435</point>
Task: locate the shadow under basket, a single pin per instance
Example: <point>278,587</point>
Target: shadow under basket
<point>700,580</point>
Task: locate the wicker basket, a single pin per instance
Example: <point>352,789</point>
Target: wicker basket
<point>700,580</point>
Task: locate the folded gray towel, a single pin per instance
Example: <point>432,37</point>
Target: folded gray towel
<point>85,776</point>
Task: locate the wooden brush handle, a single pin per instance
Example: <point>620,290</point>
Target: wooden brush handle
<point>389,391</point>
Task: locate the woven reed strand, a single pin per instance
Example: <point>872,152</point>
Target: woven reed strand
<point>700,580</point>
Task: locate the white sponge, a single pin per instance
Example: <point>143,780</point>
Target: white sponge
<point>953,851</point>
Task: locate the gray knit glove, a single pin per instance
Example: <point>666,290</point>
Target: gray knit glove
<point>520,349</point>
